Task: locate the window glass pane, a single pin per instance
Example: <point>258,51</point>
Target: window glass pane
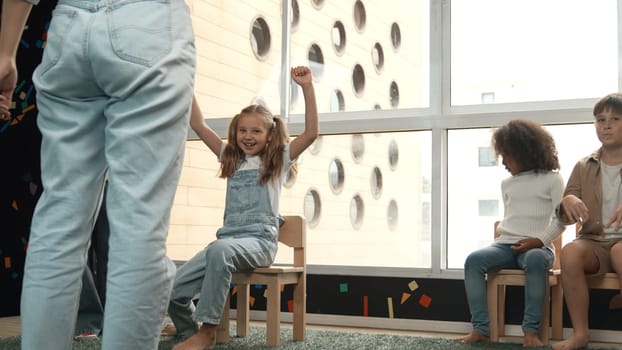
<point>532,50</point>
<point>364,57</point>
<point>360,228</point>
<point>238,48</point>
<point>473,187</point>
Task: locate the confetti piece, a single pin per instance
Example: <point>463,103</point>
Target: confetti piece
<point>405,297</point>
<point>7,262</point>
<point>265,293</point>
<point>17,119</point>
<point>24,43</point>
<point>343,288</point>
<point>5,125</point>
<point>14,275</point>
<point>425,301</point>
<point>290,305</point>
<point>27,109</point>
<point>413,285</point>
<point>33,188</point>
<point>258,286</point>
<point>234,290</point>
<point>390,306</point>
<point>14,206</point>
<point>29,91</point>
<point>282,288</point>
<point>251,300</point>
<point>365,305</point>
<point>20,86</point>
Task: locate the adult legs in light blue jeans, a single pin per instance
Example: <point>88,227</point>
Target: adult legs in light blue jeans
<point>535,262</point>
<point>114,91</point>
<point>209,272</point>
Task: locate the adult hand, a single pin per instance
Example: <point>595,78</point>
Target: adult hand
<point>8,80</point>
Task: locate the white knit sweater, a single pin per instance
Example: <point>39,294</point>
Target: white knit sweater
<point>529,200</point>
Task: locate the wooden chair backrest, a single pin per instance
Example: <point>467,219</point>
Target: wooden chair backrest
<point>557,243</point>
<point>293,233</point>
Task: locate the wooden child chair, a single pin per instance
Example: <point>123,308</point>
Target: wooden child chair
<point>293,234</point>
<point>496,283</point>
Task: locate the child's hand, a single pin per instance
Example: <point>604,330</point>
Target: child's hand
<point>575,209</point>
<point>616,219</point>
<point>301,75</point>
<point>526,244</point>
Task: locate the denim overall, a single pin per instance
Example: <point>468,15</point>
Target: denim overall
<point>247,240</point>
<point>114,91</point>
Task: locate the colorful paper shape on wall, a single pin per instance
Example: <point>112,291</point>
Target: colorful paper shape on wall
<point>413,285</point>
<point>405,297</point>
<point>425,301</point>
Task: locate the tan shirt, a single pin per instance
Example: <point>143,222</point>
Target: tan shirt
<point>585,182</point>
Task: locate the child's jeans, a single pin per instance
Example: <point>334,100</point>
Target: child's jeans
<point>536,264</point>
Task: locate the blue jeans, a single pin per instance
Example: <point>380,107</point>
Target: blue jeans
<point>535,262</point>
<point>114,91</point>
<point>247,240</point>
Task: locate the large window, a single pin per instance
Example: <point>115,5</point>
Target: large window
<point>403,177</point>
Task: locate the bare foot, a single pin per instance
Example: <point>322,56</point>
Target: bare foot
<point>168,330</point>
<point>573,343</point>
<point>473,337</point>
<point>203,339</point>
<point>531,340</point>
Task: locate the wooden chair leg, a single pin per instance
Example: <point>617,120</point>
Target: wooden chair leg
<point>300,308</point>
<point>544,320</point>
<point>273,310</point>
<point>557,304</point>
<point>243,319</point>
<point>501,311</point>
<point>222,331</point>
<point>493,304</point>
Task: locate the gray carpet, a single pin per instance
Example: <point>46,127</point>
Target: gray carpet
<point>317,340</point>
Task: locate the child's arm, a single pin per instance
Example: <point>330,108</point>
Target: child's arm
<point>302,76</point>
<point>205,133</point>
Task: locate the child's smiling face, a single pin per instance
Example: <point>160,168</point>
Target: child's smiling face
<point>252,135</point>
